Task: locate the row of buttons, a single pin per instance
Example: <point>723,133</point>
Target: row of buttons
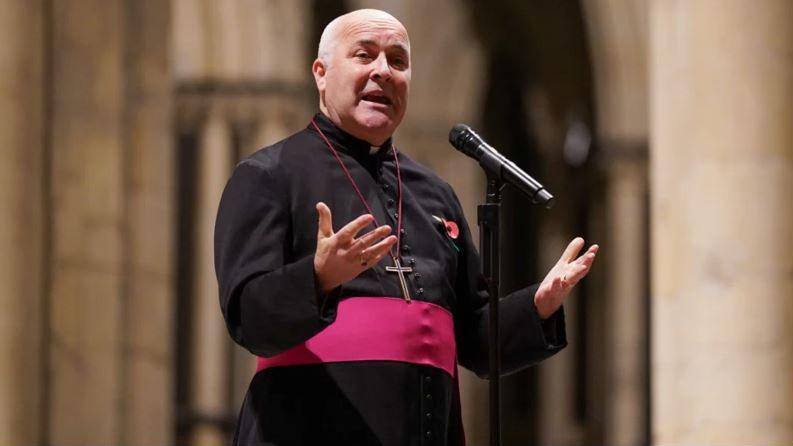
<point>405,247</point>
<point>428,401</point>
<point>420,290</point>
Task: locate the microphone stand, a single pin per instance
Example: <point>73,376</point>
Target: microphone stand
<point>488,219</point>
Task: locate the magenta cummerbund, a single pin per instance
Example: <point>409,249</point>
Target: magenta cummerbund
<point>379,329</point>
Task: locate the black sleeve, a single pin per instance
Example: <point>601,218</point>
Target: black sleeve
<point>270,301</point>
<point>525,338</point>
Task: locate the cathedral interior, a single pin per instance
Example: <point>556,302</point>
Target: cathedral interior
<point>663,127</point>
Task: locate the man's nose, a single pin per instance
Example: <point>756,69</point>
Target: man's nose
<point>381,69</point>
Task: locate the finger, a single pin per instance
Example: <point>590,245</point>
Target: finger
<point>325,226</point>
<point>577,273</point>
<point>379,250</point>
<point>572,250</point>
<point>383,245</point>
<point>351,229</point>
<point>586,259</point>
<point>370,237</point>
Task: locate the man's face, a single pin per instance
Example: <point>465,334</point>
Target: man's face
<point>364,85</point>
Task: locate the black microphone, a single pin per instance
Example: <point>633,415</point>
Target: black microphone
<point>464,139</point>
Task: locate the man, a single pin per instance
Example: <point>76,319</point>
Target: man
<point>359,330</point>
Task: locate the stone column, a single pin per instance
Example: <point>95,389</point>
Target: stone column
<point>617,37</point>
<point>722,173</point>
<point>275,121</point>
<point>148,411</point>
<point>87,190</point>
<point>22,220</point>
<point>240,40</point>
<point>210,354</point>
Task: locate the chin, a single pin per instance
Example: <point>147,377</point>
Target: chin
<point>376,121</point>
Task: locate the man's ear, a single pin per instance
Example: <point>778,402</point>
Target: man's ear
<point>318,69</point>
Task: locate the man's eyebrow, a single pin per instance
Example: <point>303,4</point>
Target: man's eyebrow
<point>369,42</point>
<point>365,42</point>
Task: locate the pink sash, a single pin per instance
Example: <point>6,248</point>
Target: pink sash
<point>379,329</point>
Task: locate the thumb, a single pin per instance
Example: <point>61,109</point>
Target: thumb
<point>325,226</point>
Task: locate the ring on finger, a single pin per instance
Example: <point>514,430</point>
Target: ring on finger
<point>364,261</point>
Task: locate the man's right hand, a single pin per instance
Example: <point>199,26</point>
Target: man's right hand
<point>340,256</point>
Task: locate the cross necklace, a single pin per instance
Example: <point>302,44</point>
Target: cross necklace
<point>400,270</point>
<point>397,268</point>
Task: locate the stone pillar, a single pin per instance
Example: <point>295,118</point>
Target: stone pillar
<point>148,411</point>
<point>275,117</point>
<point>22,220</point>
<point>617,37</point>
<point>210,354</point>
<point>236,48</point>
<point>87,189</point>
<point>240,40</point>
<point>722,172</point>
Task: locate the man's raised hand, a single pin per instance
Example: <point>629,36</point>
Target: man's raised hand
<point>563,276</point>
<point>341,256</point>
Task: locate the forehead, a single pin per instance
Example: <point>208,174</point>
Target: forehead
<point>374,30</point>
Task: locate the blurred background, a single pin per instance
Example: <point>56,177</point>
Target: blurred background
<point>663,127</point>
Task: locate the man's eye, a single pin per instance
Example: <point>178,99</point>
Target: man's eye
<point>362,56</point>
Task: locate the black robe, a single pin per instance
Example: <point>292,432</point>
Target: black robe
<point>265,239</point>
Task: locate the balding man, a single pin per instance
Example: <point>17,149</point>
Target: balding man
<point>360,316</point>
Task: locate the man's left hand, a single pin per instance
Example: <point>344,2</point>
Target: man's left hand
<point>556,286</point>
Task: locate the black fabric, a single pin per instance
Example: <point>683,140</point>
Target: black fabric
<point>265,238</point>
<point>346,404</point>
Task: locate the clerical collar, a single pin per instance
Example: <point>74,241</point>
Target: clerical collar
<point>345,142</point>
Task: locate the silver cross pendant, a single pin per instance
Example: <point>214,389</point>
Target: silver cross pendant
<point>401,270</point>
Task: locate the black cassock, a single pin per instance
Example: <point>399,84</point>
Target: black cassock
<point>265,239</point>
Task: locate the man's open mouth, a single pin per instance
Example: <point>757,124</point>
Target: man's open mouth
<point>379,98</point>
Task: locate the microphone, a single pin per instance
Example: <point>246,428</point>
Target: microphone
<point>464,139</point>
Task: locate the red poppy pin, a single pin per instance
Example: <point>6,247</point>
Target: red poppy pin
<point>451,229</point>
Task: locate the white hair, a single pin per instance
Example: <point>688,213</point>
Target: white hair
<point>328,40</point>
